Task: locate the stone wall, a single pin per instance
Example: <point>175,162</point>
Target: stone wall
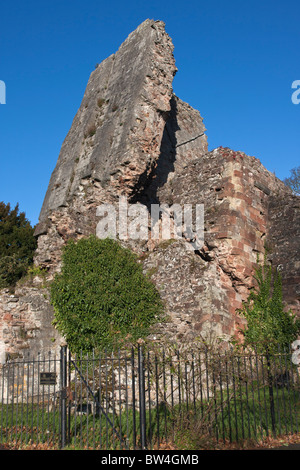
<point>133,137</point>
<point>26,318</point>
<point>284,244</point>
<point>204,289</point>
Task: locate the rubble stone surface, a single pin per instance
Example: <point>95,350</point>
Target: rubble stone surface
<point>133,137</point>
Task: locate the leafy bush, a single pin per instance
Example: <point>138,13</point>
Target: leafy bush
<point>269,325</point>
<point>101,297</point>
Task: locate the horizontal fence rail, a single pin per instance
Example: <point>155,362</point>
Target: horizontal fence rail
<point>141,398</point>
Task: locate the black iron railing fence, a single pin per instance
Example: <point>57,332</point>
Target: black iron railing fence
<point>138,399</point>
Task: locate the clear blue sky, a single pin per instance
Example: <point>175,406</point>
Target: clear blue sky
<point>237,61</point>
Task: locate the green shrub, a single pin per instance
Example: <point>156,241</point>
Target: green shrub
<point>269,325</point>
<point>101,297</point>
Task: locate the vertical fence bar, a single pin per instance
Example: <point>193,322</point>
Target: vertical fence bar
<point>38,399</point>
<point>126,401</point>
<point>193,383</point>
<point>234,399</point>
<point>42,397</point>
<point>289,392</point>
<point>241,395</point>
<point>27,398</point>
<point>164,390</point>
<point>93,389</point>
<point>157,400</point>
<point>149,400</point>
<point>54,433</point>
<point>283,394</point>
<point>277,386</point>
<point>106,396</point>
<point>186,386</point>
<point>179,388</point>
<point>85,408</point>
<point>264,390</point>
<point>293,385</point>
<point>133,399</point>
<point>22,397</point>
<point>207,389</point>
<point>17,401</point>
<point>2,395</point>
<point>7,400</point>
<point>221,399</point>
<point>247,396</point>
<point>271,393</point>
<point>69,403</point>
<point>100,401</point>
<point>214,398</point>
<point>252,394</point>
<point>63,395</point>
<point>32,398</point>
<point>172,397</point>
<point>142,400</point>
<point>120,398</point>
<point>201,386</point>
<point>12,398</point>
<point>228,398</point>
<point>113,397</point>
<point>259,394</point>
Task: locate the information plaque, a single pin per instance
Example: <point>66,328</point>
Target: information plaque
<point>47,378</point>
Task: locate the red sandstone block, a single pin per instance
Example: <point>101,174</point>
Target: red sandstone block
<point>229,186</point>
<point>7,317</point>
<point>205,318</point>
<point>231,294</point>
<point>217,318</point>
<point>238,173</point>
<point>244,197</point>
<point>248,236</point>
<point>237,252</point>
<point>222,234</point>
<point>236,304</point>
<point>238,244</point>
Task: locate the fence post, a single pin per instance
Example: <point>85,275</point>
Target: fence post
<point>63,395</point>
<point>142,401</point>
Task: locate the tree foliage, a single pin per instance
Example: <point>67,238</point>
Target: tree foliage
<point>269,325</point>
<point>293,181</point>
<point>17,244</point>
<point>101,297</point>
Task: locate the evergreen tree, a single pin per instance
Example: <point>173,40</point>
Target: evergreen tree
<point>17,244</point>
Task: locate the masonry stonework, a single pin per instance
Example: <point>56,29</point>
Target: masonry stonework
<point>133,137</point>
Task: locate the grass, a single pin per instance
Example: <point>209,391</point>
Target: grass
<point>239,415</point>
<point>28,423</point>
<point>245,416</point>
